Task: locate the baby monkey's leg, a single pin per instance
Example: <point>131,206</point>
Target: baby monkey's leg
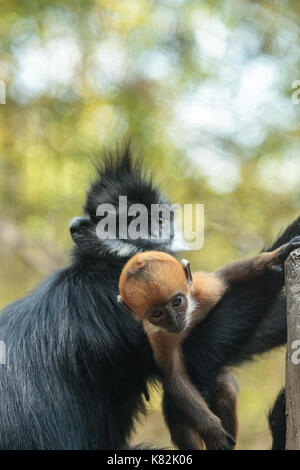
<point>182,435</point>
<point>245,270</point>
<point>225,402</point>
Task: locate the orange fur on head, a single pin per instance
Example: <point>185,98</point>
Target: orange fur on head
<point>149,279</point>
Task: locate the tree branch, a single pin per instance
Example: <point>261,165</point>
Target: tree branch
<point>292,281</point>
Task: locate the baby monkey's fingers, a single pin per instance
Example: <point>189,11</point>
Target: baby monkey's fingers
<point>231,441</point>
<point>216,438</point>
<point>223,441</point>
<point>286,249</point>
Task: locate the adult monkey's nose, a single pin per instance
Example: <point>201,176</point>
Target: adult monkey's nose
<point>77,223</point>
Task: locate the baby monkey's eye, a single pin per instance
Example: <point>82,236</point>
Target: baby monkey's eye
<point>156,313</point>
<point>177,301</point>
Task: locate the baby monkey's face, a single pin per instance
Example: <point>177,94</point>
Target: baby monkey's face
<point>171,315</point>
<point>155,287</point>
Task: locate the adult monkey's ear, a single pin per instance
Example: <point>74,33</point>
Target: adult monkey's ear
<point>187,271</point>
<point>81,227</point>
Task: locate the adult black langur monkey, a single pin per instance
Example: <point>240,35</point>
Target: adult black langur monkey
<point>76,369</point>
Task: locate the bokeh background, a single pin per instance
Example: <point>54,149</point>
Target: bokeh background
<point>205,91</point>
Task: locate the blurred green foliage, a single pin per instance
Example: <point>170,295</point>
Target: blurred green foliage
<point>204,89</point>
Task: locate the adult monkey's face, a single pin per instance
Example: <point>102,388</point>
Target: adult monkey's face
<point>125,213</point>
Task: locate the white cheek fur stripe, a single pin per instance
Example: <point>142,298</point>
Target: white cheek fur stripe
<point>120,248</point>
<point>192,305</point>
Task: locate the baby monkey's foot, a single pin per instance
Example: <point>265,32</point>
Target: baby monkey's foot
<point>187,270</point>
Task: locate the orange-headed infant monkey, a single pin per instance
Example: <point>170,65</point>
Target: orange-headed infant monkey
<point>169,300</point>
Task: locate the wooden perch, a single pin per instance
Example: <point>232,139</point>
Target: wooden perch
<point>292,282</point>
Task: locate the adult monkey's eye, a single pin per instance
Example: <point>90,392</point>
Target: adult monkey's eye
<point>156,313</point>
<point>177,302</point>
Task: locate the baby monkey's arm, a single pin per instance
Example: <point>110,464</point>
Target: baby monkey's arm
<point>195,412</point>
<point>245,270</point>
<point>208,288</point>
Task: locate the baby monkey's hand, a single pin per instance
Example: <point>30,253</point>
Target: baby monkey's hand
<point>285,250</point>
<point>217,438</point>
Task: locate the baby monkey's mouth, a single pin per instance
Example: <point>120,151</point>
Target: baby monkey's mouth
<point>179,322</point>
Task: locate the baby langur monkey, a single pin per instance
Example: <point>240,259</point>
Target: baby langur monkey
<point>169,300</point>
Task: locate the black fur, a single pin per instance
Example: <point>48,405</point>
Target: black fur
<point>78,363</point>
<point>277,422</point>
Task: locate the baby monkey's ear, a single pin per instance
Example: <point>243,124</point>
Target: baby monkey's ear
<point>121,301</point>
<point>187,270</point>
